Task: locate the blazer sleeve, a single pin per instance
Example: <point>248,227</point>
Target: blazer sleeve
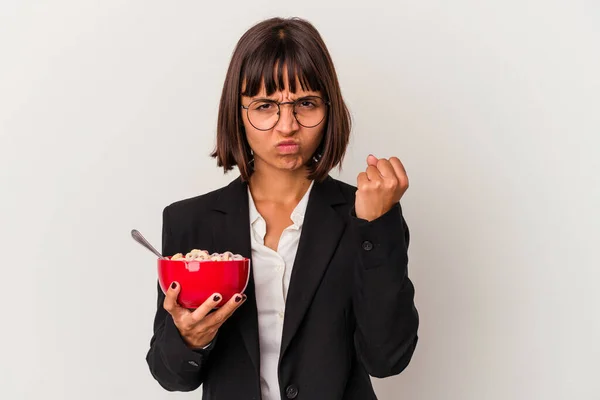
<point>383,296</point>
<point>172,363</point>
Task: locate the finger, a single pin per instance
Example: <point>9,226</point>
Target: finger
<point>399,170</point>
<point>371,160</point>
<point>219,317</point>
<point>385,168</point>
<point>362,180</point>
<point>170,303</point>
<point>205,308</point>
<point>373,173</point>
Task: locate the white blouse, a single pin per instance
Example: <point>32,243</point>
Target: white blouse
<point>272,272</point>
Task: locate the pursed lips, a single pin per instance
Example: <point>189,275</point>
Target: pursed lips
<point>288,146</point>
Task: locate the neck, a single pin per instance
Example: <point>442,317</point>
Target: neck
<point>278,186</point>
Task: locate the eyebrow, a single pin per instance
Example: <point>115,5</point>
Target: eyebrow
<point>292,99</point>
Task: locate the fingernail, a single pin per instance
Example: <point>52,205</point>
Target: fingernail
<point>173,285</point>
<point>217,297</point>
<point>238,299</point>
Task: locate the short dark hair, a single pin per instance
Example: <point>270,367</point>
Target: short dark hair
<point>296,44</point>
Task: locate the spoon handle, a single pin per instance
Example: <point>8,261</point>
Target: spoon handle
<point>138,237</point>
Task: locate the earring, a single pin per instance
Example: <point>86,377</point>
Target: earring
<point>317,157</point>
<point>252,157</point>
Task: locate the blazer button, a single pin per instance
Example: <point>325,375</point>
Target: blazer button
<point>291,392</point>
<point>366,245</point>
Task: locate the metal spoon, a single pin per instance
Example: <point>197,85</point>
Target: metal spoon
<point>138,237</point>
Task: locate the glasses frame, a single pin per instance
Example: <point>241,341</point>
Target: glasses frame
<point>279,104</point>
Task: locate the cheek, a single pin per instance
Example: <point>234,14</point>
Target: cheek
<point>317,138</point>
<point>256,139</point>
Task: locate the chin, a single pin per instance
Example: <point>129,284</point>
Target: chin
<point>292,164</point>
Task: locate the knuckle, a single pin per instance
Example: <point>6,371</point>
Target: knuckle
<point>219,318</point>
<point>201,329</point>
<point>178,323</point>
<point>187,325</point>
<point>193,320</point>
<point>210,331</point>
<point>391,183</point>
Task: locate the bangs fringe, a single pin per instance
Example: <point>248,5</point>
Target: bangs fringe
<point>266,66</point>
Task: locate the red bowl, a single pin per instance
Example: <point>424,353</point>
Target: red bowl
<point>199,280</point>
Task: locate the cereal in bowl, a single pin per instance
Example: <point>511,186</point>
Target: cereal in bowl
<point>203,255</point>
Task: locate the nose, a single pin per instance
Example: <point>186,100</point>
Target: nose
<point>287,123</point>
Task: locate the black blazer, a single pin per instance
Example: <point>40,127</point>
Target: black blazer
<point>349,314</point>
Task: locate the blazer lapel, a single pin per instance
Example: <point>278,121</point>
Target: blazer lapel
<point>231,232</point>
<point>321,232</point>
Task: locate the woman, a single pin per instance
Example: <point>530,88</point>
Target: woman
<point>329,301</point>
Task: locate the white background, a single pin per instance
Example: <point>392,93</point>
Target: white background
<point>108,113</point>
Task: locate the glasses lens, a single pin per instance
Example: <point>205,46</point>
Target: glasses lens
<point>310,111</point>
<point>263,114</point>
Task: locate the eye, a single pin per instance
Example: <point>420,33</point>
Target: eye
<point>307,103</point>
<point>263,106</point>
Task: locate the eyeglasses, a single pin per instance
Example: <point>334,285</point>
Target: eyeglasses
<point>263,114</point>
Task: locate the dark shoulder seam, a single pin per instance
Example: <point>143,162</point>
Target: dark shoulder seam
<point>196,201</point>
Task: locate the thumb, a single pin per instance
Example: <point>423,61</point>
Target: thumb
<point>174,288</point>
<point>372,160</point>
<point>170,303</point>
